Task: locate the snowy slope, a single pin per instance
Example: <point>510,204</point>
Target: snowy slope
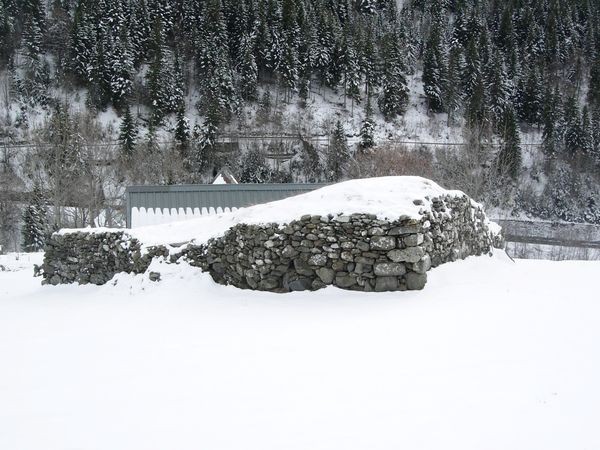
<point>492,355</point>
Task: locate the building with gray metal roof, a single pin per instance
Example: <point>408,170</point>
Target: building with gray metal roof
<point>149,205</point>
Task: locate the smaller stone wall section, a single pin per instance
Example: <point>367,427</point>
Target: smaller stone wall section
<point>93,257</point>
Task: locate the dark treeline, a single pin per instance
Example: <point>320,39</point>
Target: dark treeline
<point>499,64</point>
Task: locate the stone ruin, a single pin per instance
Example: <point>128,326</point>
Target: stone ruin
<point>357,252</point>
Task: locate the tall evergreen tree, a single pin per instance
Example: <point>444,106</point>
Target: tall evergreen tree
<point>35,222</point>
<point>550,138</point>
<point>182,131</point>
<point>367,130</point>
<point>509,157</point>
<point>594,85</point>
<point>310,162</point>
<point>476,111</point>
<point>530,96</point>
<point>248,69</point>
<point>34,26</point>
<point>121,70</point>
<point>587,139</point>
<point>82,42</point>
<point>498,89</point>
<point>453,94</point>
<point>157,87</point>
<point>338,154</point>
<point>351,70</point>
<point>393,97</point>
<point>128,134</point>
<point>596,136</point>
<point>574,143</point>
<point>6,32</point>
<point>434,71</point>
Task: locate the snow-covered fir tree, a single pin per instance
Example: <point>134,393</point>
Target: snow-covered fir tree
<point>509,157</point>
<point>35,222</point>
<point>338,154</point>
<point>254,167</point>
<point>393,97</point>
<point>128,134</point>
<point>367,129</point>
<point>434,71</point>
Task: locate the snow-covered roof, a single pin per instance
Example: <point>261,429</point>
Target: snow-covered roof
<point>225,177</point>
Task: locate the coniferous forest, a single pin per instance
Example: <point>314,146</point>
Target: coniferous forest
<point>99,94</point>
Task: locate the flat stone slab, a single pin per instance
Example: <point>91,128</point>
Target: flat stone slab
<point>389,269</point>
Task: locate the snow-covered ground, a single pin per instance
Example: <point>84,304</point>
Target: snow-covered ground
<point>493,354</point>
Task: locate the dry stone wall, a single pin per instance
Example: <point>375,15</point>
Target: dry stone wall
<point>94,257</point>
<point>356,252</point>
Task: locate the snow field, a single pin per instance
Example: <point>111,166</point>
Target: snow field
<point>492,354</point>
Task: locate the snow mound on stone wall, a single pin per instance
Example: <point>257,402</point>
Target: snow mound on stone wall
<point>385,197</point>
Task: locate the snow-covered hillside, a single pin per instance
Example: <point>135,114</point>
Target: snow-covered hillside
<point>494,354</point>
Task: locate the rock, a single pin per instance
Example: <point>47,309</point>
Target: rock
<point>360,268</point>
<point>345,281</point>
<point>97,279</point>
<point>415,281</point>
<point>317,284</point>
<point>347,256</point>
<point>252,283</point>
<point>376,231</point>
<point>383,243</point>
<point>423,265</point>
<point>338,265</point>
<point>384,284</point>
<point>318,260</point>
<point>218,268</point>
<point>268,284</point>
<point>363,246</point>
<point>363,260</point>
<point>302,268</point>
<point>343,219</point>
<point>301,284</point>
<point>154,276</point>
<point>389,269</point>
<point>410,254</point>
<point>413,240</point>
<point>289,252</point>
<point>325,275</point>
<point>406,229</point>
